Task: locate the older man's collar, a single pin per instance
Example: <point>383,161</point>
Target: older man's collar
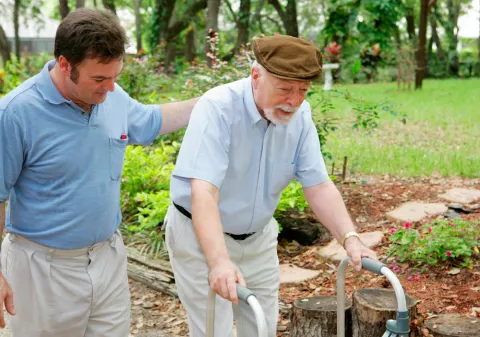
<point>46,87</point>
<point>249,102</point>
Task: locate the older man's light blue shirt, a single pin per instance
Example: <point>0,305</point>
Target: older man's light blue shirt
<point>230,145</point>
<point>61,167</point>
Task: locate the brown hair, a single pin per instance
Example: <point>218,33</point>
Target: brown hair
<point>89,33</point>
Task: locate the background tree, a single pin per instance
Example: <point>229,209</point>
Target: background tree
<point>213,7</point>
<point>288,15</point>
<point>64,8</point>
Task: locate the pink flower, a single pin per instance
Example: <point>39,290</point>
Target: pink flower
<point>410,278</point>
<point>408,225</point>
<point>429,229</point>
<point>448,253</point>
<point>392,230</point>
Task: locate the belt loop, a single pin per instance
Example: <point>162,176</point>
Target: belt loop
<point>50,254</point>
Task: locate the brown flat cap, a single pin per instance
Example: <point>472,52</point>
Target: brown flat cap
<point>288,57</point>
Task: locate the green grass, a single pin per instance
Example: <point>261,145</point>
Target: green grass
<point>441,135</point>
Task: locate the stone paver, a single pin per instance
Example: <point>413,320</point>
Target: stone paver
<point>461,195</point>
<point>292,274</point>
<point>334,251</point>
<point>416,211</point>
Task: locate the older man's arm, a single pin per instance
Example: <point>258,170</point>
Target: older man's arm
<point>175,115</point>
<point>223,275</point>
<point>327,204</point>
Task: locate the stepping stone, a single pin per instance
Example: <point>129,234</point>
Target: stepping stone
<point>461,195</point>
<point>334,251</point>
<point>292,274</point>
<point>416,211</point>
<point>454,325</point>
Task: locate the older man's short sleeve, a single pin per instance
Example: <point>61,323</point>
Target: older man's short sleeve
<point>204,152</point>
<point>11,152</point>
<point>311,170</point>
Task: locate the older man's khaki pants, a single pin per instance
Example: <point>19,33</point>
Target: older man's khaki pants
<point>257,259</point>
<point>67,293</point>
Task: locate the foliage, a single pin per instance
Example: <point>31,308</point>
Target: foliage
<point>437,242</point>
<point>17,71</point>
<point>145,185</point>
<point>333,53</point>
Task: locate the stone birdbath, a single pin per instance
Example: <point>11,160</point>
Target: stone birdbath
<point>327,70</point>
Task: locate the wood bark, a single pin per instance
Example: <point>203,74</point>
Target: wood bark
<point>190,45</point>
<point>243,24</point>
<point>80,3</point>
<point>410,17</point>
<point>110,5</point>
<point>4,46</point>
<point>453,325</point>
<point>317,316</point>
<point>422,41</point>
<point>158,275</point>
<point>373,307</point>
<point>213,7</point>
<point>64,9</point>
<point>138,23</point>
<point>451,30</point>
<point>288,15</point>
<point>16,27</point>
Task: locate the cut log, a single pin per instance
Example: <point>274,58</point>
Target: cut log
<point>156,280</point>
<point>157,264</point>
<point>158,275</point>
<point>317,317</point>
<point>453,325</point>
<point>372,308</point>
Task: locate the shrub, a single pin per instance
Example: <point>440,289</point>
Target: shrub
<point>438,242</point>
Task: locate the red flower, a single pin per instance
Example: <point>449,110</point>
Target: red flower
<point>448,253</point>
<point>429,229</point>
<point>393,230</point>
<point>408,225</point>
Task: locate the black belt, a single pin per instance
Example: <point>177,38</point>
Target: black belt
<point>239,237</point>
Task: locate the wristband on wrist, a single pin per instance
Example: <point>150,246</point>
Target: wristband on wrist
<point>348,235</point>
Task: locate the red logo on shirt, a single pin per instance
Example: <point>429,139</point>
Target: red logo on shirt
<point>123,136</point>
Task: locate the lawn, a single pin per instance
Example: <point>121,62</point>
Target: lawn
<point>440,136</point>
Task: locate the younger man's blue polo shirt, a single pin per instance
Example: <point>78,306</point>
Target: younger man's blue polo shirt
<point>61,168</point>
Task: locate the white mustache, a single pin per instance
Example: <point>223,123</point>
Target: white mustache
<point>286,108</point>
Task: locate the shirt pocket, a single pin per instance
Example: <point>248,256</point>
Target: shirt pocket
<point>117,155</point>
<point>282,173</point>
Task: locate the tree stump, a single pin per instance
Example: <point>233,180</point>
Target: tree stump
<point>372,308</point>
<point>452,325</point>
<point>317,317</point>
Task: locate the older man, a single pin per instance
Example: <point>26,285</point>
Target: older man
<point>63,135</point>
<point>247,141</point>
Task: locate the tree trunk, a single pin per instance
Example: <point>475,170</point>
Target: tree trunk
<point>436,39</point>
<point>181,24</point>
<point>190,45</point>
<point>110,5</point>
<point>451,31</point>
<point>170,56</point>
<point>213,8</point>
<point>138,24</point>
<point>373,307</point>
<point>158,275</point>
<point>4,46</point>
<point>317,316</point>
<point>161,18</point>
<point>453,325</point>
<point>422,41</point>
<point>287,15</point>
<point>80,3</point>
<point>243,24</point>
<point>64,9</point>
<point>410,17</point>
<point>16,25</point>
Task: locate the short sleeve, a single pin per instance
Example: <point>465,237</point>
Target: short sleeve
<point>11,152</point>
<point>205,146</point>
<point>144,121</point>
<point>311,169</point>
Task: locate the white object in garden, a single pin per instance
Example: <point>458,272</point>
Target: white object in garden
<point>327,70</point>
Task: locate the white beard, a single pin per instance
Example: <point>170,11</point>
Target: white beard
<point>280,119</point>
